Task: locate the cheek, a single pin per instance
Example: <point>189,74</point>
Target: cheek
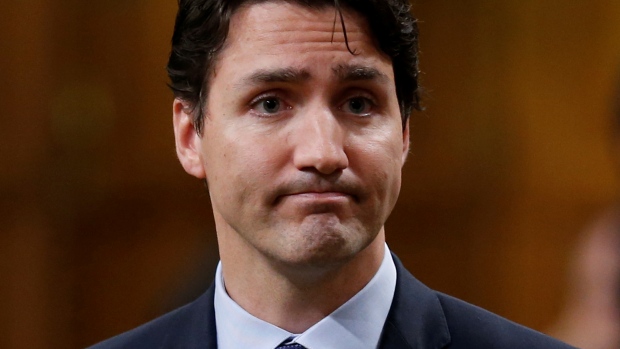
<point>383,151</point>
<point>379,164</point>
<point>247,167</point>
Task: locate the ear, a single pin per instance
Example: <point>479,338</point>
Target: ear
<point>187,140</point>
<point>406,141</point>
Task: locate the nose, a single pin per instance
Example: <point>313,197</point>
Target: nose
<point>319,143</point>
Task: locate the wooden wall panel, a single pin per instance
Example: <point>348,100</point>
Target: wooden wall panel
<point>524,87</point>
<point>35,307</point>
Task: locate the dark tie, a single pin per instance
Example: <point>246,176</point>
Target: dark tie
<point>290,346</point>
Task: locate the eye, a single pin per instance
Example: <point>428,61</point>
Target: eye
<point>268,105</point>
<point>358,105</point>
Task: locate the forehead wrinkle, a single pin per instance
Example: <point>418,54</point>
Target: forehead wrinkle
<point>309,41</point>
<point>314,25</point>
<point>357,72</point>
<point>283,75</point>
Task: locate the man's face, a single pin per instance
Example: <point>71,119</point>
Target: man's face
<point>303,143</point>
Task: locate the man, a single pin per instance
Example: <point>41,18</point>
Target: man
<point>295,113</point>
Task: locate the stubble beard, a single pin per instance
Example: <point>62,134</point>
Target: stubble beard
<point>315,249</point>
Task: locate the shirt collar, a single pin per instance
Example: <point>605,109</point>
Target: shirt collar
<point>357,324</point>
<point>238,329</point>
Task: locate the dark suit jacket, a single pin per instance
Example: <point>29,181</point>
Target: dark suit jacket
<point>419,318</point>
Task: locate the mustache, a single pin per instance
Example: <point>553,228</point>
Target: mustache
<point>313,183</point>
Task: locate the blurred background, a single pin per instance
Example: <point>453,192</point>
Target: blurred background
<point>101,230</point>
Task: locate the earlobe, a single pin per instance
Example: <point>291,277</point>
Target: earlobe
<point>406,141</point>
<point>187,140</point>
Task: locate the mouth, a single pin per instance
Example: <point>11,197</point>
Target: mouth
<point>319,196</point>
<point>312,190</point>
<point>316,202</point>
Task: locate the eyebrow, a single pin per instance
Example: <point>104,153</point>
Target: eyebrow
<point>286,75</point>
<point>344,72</point>
<point>353,72</point>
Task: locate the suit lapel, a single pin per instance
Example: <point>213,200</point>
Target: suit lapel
<point>416,319</point>
<point>210,333</point>
<point>199,329</point>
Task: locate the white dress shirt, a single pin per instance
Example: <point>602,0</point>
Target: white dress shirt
<point>357,324</point>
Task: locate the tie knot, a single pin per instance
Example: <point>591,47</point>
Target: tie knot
<point>291,346</point>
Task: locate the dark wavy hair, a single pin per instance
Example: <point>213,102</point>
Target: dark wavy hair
<point>202,26</point>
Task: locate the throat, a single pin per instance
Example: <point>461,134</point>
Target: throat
<point>294,300</point>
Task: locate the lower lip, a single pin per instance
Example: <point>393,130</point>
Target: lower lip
<point>320,197</point>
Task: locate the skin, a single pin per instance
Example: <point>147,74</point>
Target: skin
<point>302,149</point>
<point>591,318</point>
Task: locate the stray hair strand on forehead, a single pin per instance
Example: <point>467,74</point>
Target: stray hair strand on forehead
<point>338,13</point>
<point>202,26</point>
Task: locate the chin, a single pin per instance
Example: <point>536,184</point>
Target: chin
<point>326,248</point>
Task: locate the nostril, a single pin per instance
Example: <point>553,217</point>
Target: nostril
<point>325,158</point>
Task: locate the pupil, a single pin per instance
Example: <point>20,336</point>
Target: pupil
<point>271,105</point>
<point>356,105</point>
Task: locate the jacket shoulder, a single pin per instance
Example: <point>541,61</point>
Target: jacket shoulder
<point>474,327</point>
<point>191,326</point>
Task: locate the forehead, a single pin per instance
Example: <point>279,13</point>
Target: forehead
<point>285,33</point>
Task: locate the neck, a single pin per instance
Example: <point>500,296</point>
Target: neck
<point>291,300</point>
